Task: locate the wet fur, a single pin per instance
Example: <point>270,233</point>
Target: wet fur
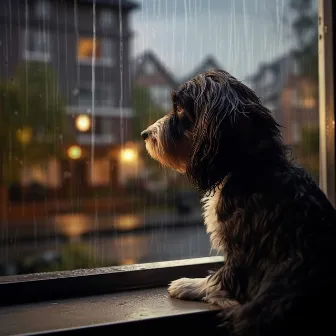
<point>275,227</point>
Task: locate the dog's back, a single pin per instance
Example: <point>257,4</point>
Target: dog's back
<point>281,246</point>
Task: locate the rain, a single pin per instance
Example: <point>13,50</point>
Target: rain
<point>80,80</point>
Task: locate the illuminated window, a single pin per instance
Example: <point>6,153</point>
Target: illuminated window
<point>101,49</point>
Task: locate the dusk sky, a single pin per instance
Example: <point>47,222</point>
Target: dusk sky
<point>240,34</point>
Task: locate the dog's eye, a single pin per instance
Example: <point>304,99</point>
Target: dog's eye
<point>179,112</point>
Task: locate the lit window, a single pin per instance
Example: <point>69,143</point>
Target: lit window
<point>102,49</point>
<point>42,9</point>
<point>36,45</point>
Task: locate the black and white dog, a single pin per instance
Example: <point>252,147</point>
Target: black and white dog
<point>274,225</point>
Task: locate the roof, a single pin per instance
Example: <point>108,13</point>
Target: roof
<point>208,63</point>
<point>150,56</point>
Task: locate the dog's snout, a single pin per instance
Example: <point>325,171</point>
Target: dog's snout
<point>144,134</point>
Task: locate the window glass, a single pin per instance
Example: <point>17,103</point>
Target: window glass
<point>100,48</point>
<point>63,179</point>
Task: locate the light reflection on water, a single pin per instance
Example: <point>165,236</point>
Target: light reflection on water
<point>75,225</point>
<point>112,240</point>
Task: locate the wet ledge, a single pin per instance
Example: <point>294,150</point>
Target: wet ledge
<point>147,309</point>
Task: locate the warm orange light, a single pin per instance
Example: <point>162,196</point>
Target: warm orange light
<point>128,155</point>
<point>74,152</point>
<point>87,47</point>
<point>24,135</point>
<point>83,123</point>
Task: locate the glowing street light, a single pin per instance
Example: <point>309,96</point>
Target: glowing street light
<point>128,155</point>
<point>74,152</point>
<point>83,123</point>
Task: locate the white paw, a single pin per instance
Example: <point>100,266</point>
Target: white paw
<point>187,289</point>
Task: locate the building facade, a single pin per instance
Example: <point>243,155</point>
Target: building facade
<point>87,43</point>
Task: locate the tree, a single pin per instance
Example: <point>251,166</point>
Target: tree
<point>145,111</point>
<point>305,29</point>
<point>145,114</point>
<point>32,112</point>
<point>304,23</point>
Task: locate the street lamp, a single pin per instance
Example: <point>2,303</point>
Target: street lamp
<point>74,152</point>
<point>83,123</point>
<point>128,155</point>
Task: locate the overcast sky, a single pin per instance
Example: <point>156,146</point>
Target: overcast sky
<point>240,34</point>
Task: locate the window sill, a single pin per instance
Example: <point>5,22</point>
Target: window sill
<point>36,56</point>
<point>137,310</point>
<point>102,300</point>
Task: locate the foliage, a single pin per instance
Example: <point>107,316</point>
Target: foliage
<point>145,111</point>
<point>32,112</point>
<point>71,257</point>
<point>305,29</point>
<point>310,140</point>
<point>145,114</point>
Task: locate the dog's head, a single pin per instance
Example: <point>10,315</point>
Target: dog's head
<point>217,126</point>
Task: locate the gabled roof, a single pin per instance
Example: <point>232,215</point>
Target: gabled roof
<point>283,63</point>
<point>149,56</point>
<point>208,63</point>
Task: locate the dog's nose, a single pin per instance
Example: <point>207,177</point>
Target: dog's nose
<point>144,134</point>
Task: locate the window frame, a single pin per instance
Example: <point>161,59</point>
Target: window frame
<point>327,77</point>
<point>30,288</point>
<point>77,283</point>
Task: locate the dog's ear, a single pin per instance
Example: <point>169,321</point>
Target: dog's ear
<point>231,129</point>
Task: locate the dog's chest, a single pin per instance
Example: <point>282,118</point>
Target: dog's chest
<point>213,225</point>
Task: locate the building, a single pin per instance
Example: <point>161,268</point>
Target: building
<point>66,34</point>
<point>209,63</point>
<point>269,81</point>
<point>151,73</point>
<point>300,108</point>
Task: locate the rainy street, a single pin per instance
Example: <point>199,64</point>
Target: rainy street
<point>107,240</point>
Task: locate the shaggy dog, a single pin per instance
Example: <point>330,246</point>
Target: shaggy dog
<point>275,227</point>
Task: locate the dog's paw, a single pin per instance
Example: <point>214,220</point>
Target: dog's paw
<point>186,289</point>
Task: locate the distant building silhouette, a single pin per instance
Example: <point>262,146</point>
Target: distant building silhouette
<point>269,81</point>
<point>151,73</point>
<point>209,63</point>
